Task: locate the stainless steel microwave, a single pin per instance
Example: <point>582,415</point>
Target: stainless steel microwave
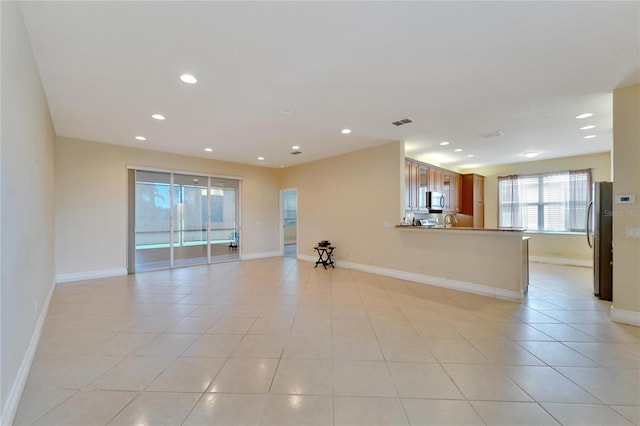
<point>435,201</point>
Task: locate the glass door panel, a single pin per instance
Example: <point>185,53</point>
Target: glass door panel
<point>224,232</point>
<point>152,220</point>
<point>290,222</point>
<point>180,220</point>
<point>189,220</point>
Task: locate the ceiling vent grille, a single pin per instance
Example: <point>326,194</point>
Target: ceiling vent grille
<point>493,134</point>
<point>402,122</point>
<point>296,152</point>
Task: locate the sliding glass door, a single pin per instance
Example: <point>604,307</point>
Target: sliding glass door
<point>182,220</point>
<point>189,220</point>
<point>152,220</point>
<point>224,240</point>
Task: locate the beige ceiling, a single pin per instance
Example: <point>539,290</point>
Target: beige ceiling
<point>459,70</point>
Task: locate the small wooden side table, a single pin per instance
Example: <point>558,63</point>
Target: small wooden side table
<point>325,256</point>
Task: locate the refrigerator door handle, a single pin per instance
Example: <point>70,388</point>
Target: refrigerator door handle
<point>589,210</point>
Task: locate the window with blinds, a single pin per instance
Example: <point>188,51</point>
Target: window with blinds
<point>552,202</point>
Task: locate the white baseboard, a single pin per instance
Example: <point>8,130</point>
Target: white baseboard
<point>625,317</point>
<point>464,286</point>
<point>90,275</point>
<point>15,393</point>
<point>262,255</point>
<point>510,295</point>
<point>561,261</point>
<point>307,258</point>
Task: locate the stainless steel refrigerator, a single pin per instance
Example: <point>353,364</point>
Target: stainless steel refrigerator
<point>600,238</point>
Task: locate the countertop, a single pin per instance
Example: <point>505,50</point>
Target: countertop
<point>458,229</point>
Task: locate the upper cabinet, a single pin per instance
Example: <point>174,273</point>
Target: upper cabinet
<point>415,185</point>
<point>436,179</point>
<point>423,186</point>
<point>452,190</point>
<point>473,198</point>
<point>410,186</point>
<point>421,178</point>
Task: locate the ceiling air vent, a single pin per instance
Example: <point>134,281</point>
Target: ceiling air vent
<point>296,152</point>
<point>402,122</point>
<point>492,134</point>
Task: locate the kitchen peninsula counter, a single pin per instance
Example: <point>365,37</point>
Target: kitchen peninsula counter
<point>506,231</point>
<point>486,261</point>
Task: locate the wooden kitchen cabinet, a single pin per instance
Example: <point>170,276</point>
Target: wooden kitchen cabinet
<point>436,179</point>
<point>453,192</point>
<point>478,215</point>
<point>410,188</point>
<point>473,198</point>
<point>478,188</point>
<point>423,186</point>
<point>421,178</point>
<point>416,182</point>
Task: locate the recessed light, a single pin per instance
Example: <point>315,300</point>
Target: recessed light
<point>141,138</point>
<point>530,154</point>
<point>457,150</point>
<point>158,116</point>
<point>444,143</point>
<point>590,136</point>
<point>295,147</point>
<point>471,155</point>
<point>261,158</point>
<point>591,126</point>
<point>345,131</point>
<point>585,115</point>
<point>188,78</point>
<point>208,149</point>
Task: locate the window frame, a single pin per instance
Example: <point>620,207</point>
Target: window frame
<point>541,203</point>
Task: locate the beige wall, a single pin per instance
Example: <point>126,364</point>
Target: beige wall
<point>27,205</point>
<point>355,199</point>
<point>91,202</point>
<point>626,166</point>
<point>570,247</point>
<point>347,199</point>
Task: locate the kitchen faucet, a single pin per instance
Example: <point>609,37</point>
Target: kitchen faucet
<point>450,220</point>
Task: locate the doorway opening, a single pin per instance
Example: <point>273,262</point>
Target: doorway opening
<point>289,215</point>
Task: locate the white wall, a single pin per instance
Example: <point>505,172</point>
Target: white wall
<point>553,247</point>
<point>27,204</point>
<point>91,203</point>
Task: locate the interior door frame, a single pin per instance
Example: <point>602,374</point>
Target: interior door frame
<point>282,191</point>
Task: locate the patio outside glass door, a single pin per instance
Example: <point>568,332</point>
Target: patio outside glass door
<point>152,231</point>
<point>224,231</point>
<point>189,220</point>
<point>181,219</point>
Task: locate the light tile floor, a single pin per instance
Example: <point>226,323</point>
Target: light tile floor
<point>277,342</point>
